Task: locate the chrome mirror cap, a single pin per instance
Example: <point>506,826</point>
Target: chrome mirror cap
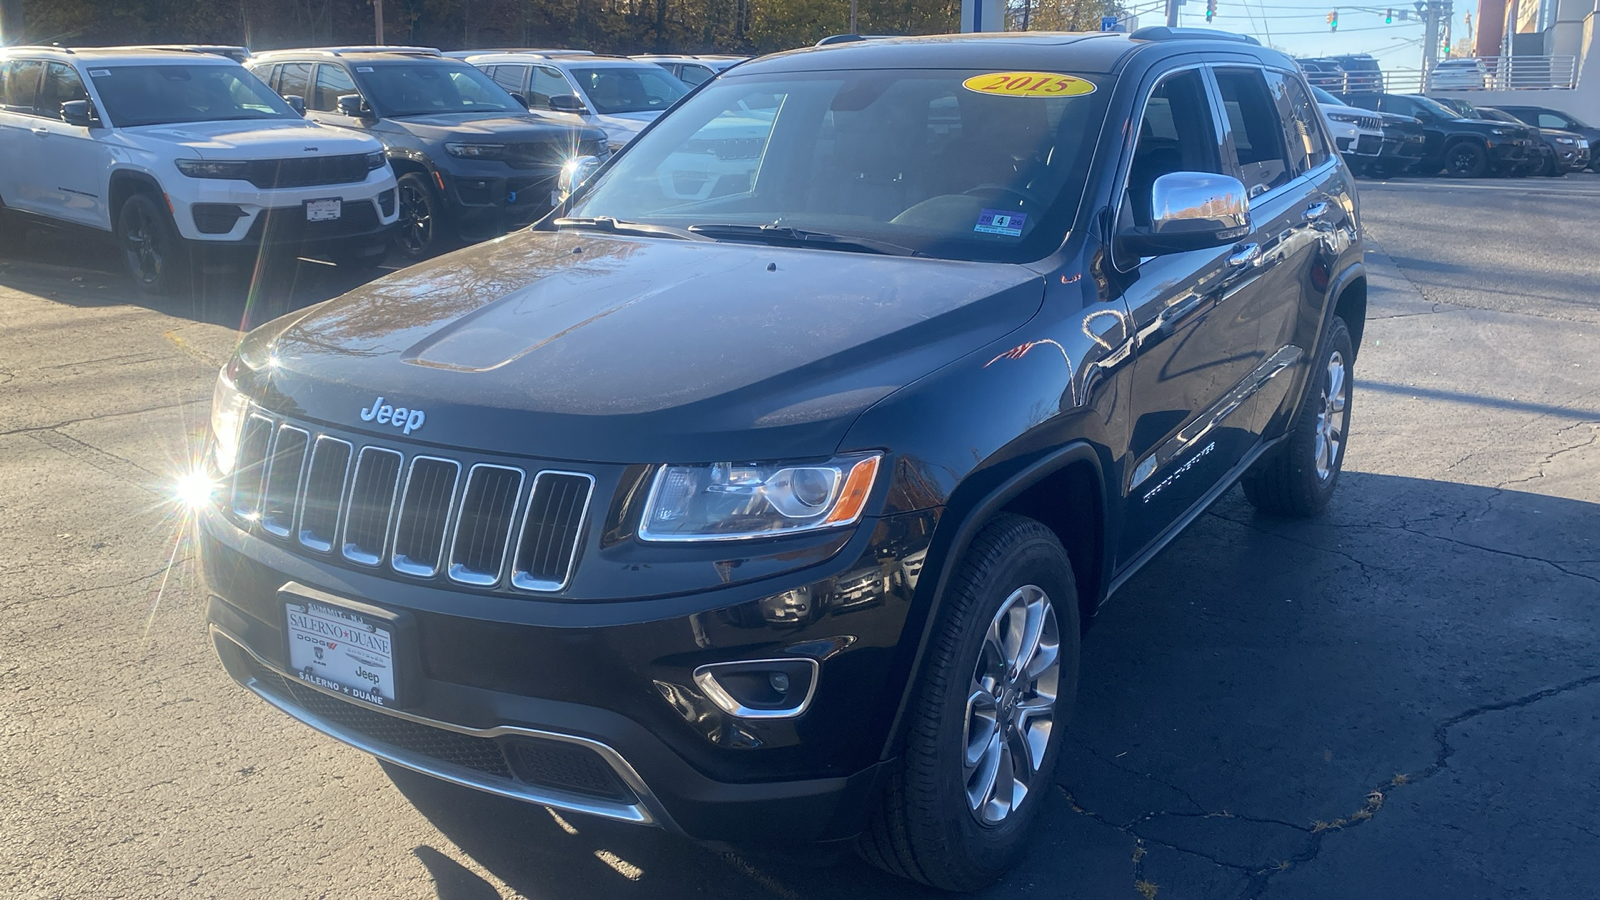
<point>1199,202</point>
<point>575,172</point>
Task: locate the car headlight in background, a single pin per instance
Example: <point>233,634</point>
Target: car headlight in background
<point>1568,141</point>
<point>476,151</point>
<point>204,168</point>
<point>1583,143</point>
<point>1504,132</point>
<point>228,408</point>
<point>1347,118</point>
<point>724,501</point>
<point>376,160</point>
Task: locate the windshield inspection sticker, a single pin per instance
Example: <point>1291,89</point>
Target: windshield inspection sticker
<point>1029,84</point>
<point>997,221</point>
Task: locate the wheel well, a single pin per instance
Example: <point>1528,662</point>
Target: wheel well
<point>403,166</point>
<point>1068,502</point>
<point>125,185</point>
<point>1352,308</point>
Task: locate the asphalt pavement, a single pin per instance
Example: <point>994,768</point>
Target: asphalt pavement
<point>1400,698</point>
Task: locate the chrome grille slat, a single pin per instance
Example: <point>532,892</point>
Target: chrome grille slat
<point>371,505</point>
<point>488,514</point>
<point>552,530</point>
<point>422,524</point>
<point>323,492</point>
<point>250,469</point>
<point>282,486</point>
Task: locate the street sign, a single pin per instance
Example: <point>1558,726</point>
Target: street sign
<point>1110,23</point>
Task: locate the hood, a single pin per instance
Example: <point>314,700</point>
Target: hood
<point>620,129</point>
<point>258,139</point>
<point>1389,118</point>
<point>499,128</point>
<point>577,347</point>
<point>1519,130</point>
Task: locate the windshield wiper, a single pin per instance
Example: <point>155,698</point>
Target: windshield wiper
<point>784,234</point>
<point>617,226</point>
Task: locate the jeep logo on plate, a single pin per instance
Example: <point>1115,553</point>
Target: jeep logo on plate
<point>407,420</point>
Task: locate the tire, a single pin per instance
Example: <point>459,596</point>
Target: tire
<point>1465,159</point>
<point>1552,168</point>
<point>419,233</point>
<point>156,256</point>
<point>926,825</point>
<point>1298,478</point>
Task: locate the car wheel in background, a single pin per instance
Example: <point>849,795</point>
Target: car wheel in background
<point>1465,159</point>
<point>1552,167</point>
<point>420,231</point>
<point>988,717</point>
<point>155,254</point>
<point>1298,477</point>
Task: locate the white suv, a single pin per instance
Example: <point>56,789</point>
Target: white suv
<point>619,96</point>
<point>173,151</point>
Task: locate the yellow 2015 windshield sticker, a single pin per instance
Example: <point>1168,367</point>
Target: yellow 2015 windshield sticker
<point>1029,84</point>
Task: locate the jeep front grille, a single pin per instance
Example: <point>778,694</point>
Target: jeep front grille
<point>416,514</point>
<point>312,170</point>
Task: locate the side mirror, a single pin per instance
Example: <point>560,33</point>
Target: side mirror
<point>575,173</point>
<point>566,103</point>
<point>520,99</point>
<point>1191,211</point>
<point>298,104</point>
<point>80,113</point>
<point>353,106</point>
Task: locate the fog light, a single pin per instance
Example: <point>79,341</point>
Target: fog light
<point>760,688</point>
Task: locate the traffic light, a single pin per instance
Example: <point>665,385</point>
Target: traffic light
<point>1333,20</point>
<point>1388,17</point>
<point>1211,10</point>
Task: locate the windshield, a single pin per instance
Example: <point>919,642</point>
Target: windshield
<point>1437,108</point>
<point>1325,97</point>
<point>628,89</point>
<point>916,159</point>
<point>163,95</point>
<point>419,89</point>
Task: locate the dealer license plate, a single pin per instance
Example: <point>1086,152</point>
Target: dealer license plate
<point>324,210</point>
<point>341,650</point>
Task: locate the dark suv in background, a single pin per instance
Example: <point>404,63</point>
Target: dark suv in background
<point>1544,117</point>
<point>776,516</point>
<point>471,161</point>
<point>1465,148</point>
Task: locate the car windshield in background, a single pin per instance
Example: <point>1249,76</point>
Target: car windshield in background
<point>419,89</point>
<point>1437,108</point>
<point>939,163</point>
<point>169,94</point>
<point>629,89</point>
<point>1325,97</point>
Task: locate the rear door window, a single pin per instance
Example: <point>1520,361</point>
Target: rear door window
<point>1257,130</point>
<point>19,84</point>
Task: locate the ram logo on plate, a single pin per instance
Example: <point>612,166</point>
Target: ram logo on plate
<point>1029,84</point>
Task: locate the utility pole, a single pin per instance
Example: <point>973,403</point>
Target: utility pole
<point>1430,39</point>
<point>852,16</point>
<point>377,21</point>
<point>1172,13</point>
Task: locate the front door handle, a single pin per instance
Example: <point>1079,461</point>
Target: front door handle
<point>42,132</point>
<point>1244,255</point>
<point>1317,210</point>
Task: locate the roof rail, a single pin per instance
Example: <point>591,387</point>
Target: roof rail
<point>340,51</point>
<point>1163,33</point>
<point>850,38</point>
<point>37,47</point>
<point>231,51</point>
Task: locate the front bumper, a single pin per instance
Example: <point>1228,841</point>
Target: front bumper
<point>1511,152</point>
<point>611,682</point>
<point>236,213</point>
<point>488,198</point>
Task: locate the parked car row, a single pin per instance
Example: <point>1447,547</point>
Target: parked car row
<point>185,152</point>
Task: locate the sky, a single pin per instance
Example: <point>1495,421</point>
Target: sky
<point>1301,26</point>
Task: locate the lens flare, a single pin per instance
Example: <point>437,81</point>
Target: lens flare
<point>194,490</point>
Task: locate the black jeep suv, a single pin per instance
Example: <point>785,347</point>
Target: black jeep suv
<point>470,160</point>
<point>1461,146</point>
<point>776,516</point>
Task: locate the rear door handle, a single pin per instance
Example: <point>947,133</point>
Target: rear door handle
<point>1244,255</point>
<point>1317,210</point>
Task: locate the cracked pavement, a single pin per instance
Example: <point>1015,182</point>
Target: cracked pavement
<point>1396,699</point>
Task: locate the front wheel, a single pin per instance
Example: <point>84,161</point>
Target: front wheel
<point>1298,477</point>
<point>986,723</point>
<point>155,254</point>
<point>420,230</point>
<point>1466,160</point>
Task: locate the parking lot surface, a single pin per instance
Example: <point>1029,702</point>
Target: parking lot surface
<point>1397,699</point>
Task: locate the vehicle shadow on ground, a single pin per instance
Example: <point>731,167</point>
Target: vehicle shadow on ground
<point>86,270</point>
<point>1256,692</point>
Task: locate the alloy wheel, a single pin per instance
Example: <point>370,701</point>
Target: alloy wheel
<point>416,218</point>
<point>144,256</point>
<point>1330,420</point>
<point>1011,705</point>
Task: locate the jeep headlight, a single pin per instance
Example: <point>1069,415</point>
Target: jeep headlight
<point>1504,132</point>
<point>228,408</point>
<point>476,151</point>
<point>234,169</point>
<point>727,501</point>
<point>1568,141</point>
<point>1347,118</point>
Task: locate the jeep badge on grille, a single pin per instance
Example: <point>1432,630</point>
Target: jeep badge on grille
<point>408,420</point>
